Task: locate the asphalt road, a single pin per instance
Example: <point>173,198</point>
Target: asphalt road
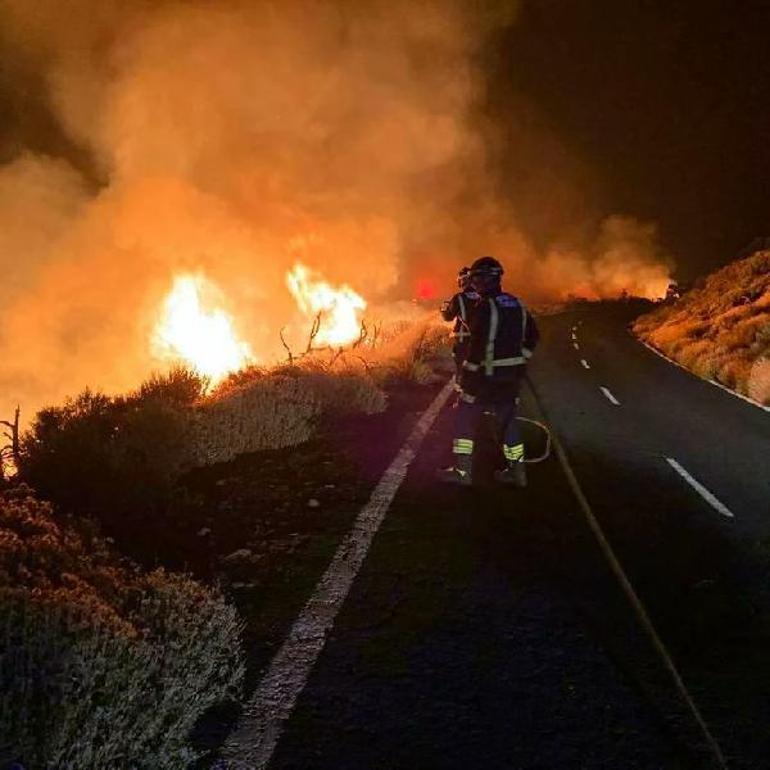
<point>485,630</point>
<point>719,440</point>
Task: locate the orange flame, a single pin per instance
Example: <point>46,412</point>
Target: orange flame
<point>201,335</point>
<point>340,308</point>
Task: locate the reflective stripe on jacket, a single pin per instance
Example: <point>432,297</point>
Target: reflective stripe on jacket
<point>503,335</point>
<point>460,309</point>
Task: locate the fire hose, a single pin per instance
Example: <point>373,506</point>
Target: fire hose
<point>547,451</point>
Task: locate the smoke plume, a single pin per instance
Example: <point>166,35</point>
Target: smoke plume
<point>235,139</point>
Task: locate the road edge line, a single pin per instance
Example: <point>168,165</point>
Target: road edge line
<point>716,384</point>
<point>253,741</point>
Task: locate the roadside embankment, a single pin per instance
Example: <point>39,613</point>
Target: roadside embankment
<point>720,330</point>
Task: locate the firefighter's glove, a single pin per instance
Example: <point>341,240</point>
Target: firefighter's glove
<point>470,382</point>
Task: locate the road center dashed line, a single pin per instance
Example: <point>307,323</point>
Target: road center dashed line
<point>252,743</point>
<point>609,395</point>
<point>585,363</point>
<point>576,346</point>
<point>713,501</point>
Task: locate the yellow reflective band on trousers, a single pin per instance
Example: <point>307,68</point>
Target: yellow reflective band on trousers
<point>513,453</point>
<point>462,446</point>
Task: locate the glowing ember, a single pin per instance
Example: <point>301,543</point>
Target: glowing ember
<point>201,336</point>
<point>340,308</point>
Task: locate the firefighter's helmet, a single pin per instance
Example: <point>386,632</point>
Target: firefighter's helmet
<point>463,277</point>
<point>485,274</point>
<point>487,266</point>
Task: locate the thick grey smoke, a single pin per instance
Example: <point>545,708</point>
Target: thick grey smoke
<point>235,139</point>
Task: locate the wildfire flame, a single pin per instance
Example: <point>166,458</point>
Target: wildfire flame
<point>201,335</point>
<point>340,308</point>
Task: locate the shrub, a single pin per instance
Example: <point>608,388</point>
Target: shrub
<point>115,459</point>
<point>181,386</point>
<point>276,411</point>
<point>759,381</point>
<point>101,665</point>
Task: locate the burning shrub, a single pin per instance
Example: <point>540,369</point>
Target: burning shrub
<point>102,665</point>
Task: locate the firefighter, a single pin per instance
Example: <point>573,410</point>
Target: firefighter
<point>459,310</point>
<point>503,336</point>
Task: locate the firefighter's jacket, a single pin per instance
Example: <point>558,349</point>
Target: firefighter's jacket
<point>503,336</point>
<point>460,309</point>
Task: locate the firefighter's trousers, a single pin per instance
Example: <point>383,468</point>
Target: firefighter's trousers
<point>503,406</point>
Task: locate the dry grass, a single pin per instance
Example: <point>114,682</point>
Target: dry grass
<point>721,329</point>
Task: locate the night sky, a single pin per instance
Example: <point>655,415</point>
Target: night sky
<point>667,102</point>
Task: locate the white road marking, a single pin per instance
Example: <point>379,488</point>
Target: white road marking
<point>576,346</point>
<point>609,396</point>
<point>252,743</point>
<point>715,503</point>
<point>719,385</point>
<point>585,363</point>
<point>574,336</point>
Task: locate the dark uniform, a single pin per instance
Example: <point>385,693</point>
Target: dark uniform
<point>503,335</point>
<point>460,309</point>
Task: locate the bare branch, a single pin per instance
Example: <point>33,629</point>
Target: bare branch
<point>12,450</point>
<point>286,347</point>
<point>335,356</point>
<point>367,365</point>
<point>314,329</point>
<point>363,333</point>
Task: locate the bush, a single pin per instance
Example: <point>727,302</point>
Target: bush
<point>276,411</point>
<point>180,386</point>
<point>114,459</point>
<point>759,381</point>
<point>101,665</point>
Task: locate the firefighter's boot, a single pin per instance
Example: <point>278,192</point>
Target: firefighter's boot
<point>513,475</point>
<point>459,473</point>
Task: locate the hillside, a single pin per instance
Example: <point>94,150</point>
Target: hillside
<point>721,329</point>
